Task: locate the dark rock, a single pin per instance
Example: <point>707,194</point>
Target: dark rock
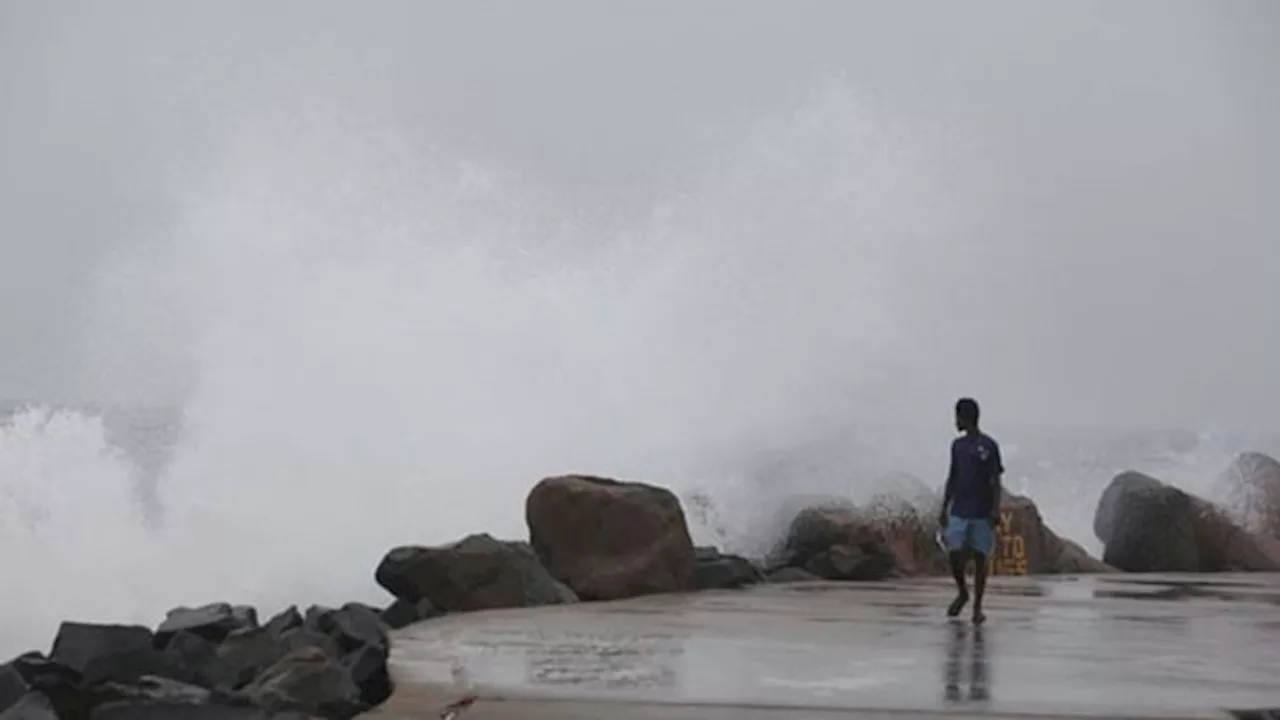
<point>842,562</point>
<point>198,657</point>
<point>476,573</point>
<point>705,553</point>
<point>726,572</point>
<point>308,680</point>
<point>31,706</point>
<point>120,653</point>
<point>245,654</point>
<point>607,539</point>
<point>791,575</point>
<point>284,621</point>
<point>1148,526</point>
<point>354,626</point>
<point>367,668</point>
<point>12,686</point>
<point>403,613</point>
<point>160,690</point>
<point>212,622</point>
<point>64,687</point>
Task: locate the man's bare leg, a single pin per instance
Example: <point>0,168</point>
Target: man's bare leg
<point>979,586</point>
<point>958,559</point>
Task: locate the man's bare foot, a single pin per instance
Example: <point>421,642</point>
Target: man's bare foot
<point>958,604</point>
<point>978,616</point>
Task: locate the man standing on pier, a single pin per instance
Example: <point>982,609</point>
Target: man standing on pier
<point>971,505</point>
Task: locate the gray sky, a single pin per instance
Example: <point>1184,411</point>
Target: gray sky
<point>1113,169</point>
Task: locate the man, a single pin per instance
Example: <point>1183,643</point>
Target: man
<point>971,505</point>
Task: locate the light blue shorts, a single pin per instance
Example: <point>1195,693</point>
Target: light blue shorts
<point>976,534</point>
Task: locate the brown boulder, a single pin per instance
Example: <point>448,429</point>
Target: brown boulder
<point>1026,546</point>
<point>1252,489</point>
<point>475,573</point>
<point>1148,526</point>
<point>608,539</point>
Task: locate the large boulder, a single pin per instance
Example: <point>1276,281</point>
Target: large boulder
<point>475,573</point>
<point>1148,526</point>
<point>836,543</point>
<point>608,539</point>
<point>1251,487</point>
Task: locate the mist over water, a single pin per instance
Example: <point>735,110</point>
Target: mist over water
<point>372,328</point>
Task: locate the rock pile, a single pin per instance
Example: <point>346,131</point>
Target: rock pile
<point>590,539</point>
<point>894,538</point>
<point>214,662</point>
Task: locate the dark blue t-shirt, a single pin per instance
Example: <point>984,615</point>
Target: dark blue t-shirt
<point>975,464</point>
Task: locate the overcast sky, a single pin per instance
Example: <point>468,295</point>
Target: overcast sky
<point>1116,165</point>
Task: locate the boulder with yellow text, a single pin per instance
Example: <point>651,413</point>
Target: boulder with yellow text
<point>1025,545</point>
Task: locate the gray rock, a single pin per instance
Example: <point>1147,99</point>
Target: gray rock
<point>476,573</point>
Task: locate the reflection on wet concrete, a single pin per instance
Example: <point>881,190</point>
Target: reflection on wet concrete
<point>962,637</point>
<point>1100,646</point>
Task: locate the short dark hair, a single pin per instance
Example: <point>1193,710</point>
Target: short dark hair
<point>967,410</point>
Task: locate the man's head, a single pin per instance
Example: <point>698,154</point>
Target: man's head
<point>966,414</point>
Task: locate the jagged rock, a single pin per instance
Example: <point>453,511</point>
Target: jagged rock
<point>120,653</point>
<point>12,686</point>
<point>714,571</point>
<point>353,626</point>
<point>245,654</point>
<point>476,573</point>
<point>31,706</point>
<point>308,680</point>
<point>403,613</point>
<point>607,539</point>
<point>212,622</point>
<point>283,621</point>
<point>1148,526</point>
<point>62,686</point>
<point>1251,487</point>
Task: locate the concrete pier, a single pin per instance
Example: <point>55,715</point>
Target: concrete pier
<point>1105,646</point>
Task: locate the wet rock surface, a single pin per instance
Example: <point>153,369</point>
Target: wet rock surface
<point>608,539</point>
<point>1149,526</point>
<point>891,538</point>
<point>476,573</point>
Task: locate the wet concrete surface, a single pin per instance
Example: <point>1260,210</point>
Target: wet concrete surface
<point>1103,646</point>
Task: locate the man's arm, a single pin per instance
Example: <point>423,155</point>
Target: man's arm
<point>997,472</point>
<point>948,491</point>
